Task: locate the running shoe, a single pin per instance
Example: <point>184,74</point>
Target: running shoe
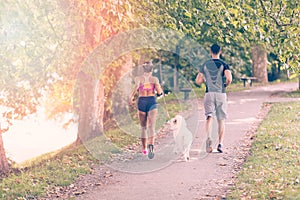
<point>151,151</point>
<point>208,145</point>
<point>145,152</point>
<point>220,148</point>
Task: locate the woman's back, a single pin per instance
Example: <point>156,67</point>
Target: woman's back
<point>146,86</point>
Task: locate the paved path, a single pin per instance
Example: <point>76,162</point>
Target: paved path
<point>201,178</point>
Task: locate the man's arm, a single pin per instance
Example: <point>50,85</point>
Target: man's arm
<point>200,78</point>
<point>228,76</point>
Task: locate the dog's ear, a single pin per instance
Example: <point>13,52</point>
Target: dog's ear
<point>175,121</point>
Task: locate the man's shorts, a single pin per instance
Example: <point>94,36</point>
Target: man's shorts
<point>215,104</point>
<point>145,104</point>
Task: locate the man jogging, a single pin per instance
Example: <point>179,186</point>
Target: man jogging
<point>217,76</point>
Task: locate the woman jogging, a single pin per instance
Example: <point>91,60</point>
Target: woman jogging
<point>146,85</point>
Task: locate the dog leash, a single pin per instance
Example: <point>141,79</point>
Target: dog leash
<point>165,105</point>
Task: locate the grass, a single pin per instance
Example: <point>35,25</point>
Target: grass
<point>294,94</point>
<point>234,87</point>
<point>273,169</point>
<point>35,177</point>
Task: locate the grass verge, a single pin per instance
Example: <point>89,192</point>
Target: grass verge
<point>294,94</point>
<point>273,169</point>
<point>38,176</point>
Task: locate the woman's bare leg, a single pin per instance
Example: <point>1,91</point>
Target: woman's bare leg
<point>152,114</point>
<point>151,126</point>
<point>143,123</point>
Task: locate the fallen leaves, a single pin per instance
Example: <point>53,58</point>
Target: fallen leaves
<point>296,182</point>
<point>107,174</point>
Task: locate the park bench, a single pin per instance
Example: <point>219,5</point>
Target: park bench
<point>248,79</point>
<point>186,92</point>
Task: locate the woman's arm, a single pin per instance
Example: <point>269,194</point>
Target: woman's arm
<point>158,88</point>
<point>135,88</point>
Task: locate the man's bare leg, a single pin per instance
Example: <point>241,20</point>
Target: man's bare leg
<point>208,133</point>
<point>221,131</point>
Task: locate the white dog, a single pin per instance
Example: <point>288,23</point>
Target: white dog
<point>182,136</point>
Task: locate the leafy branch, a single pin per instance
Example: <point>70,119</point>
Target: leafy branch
<point>276,20</point>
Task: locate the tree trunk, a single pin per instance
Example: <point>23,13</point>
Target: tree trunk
<point>89,94</point>
<point>3,161</point>
<point>259,60</point>
<point>176,65</point>
<point>90,104</point>
<point>120,91</point>
<point>89,101</point>
<point>160,69</point>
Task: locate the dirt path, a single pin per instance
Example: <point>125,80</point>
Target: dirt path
<point>207,177</point>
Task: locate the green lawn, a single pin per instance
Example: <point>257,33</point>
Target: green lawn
<point>35,177</point>
<point>294,94</point>
<point>273,169</point>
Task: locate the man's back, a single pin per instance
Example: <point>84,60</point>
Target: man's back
<point>213,71</point>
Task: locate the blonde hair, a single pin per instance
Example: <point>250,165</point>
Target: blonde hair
<point>148,67</point>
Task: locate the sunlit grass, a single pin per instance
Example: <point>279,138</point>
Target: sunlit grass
<point>272,170</point>
<point>234,87</point>
<point>33,178</point>
<point>294,94</point>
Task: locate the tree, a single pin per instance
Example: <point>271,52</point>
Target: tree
<point>3,160</point>
<point>197,19</point>
<point>275,24</point>
<point>100,20</point>
<point>239,27</point>
<point>259,60</point>
<point>30,44</point>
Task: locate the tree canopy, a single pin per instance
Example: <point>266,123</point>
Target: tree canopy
<point>43,43</point>
<point>238,26</point>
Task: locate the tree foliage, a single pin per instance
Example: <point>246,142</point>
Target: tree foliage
<point>31,42</point>
<point>43,43</point>
<point>238,26</point>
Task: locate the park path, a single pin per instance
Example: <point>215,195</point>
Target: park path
<point>208,177</point>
